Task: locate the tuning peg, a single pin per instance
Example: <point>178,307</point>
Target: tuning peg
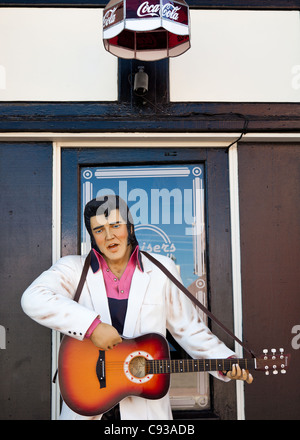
<point>283,371</point>
<point>275,371</point>
<point>267,372</point>
<point>273,350</point>
<point>265,351</point>
<point>281,353</point>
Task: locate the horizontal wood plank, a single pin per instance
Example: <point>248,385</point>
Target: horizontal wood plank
<point>173,117</point>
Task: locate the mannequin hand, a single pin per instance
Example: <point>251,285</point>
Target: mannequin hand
<point>237,374</point>
<point>105,336</point>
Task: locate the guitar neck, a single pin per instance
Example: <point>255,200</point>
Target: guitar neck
<point>163,366</point>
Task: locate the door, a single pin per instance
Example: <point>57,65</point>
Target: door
<point>173,196</point>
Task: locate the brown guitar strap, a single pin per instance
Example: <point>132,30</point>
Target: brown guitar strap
<point>195,301</point>
<point>83,277</point>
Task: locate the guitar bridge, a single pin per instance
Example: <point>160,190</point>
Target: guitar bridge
<point>100,369</point>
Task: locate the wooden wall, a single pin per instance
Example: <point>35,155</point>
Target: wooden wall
<point>269,178</point>
<point>25,224</point>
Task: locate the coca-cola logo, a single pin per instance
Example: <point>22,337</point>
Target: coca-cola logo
<point>168,11</point>
<point>109,17</point>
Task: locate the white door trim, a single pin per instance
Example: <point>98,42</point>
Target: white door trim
<point>236,268</point>
<point>56,254</point>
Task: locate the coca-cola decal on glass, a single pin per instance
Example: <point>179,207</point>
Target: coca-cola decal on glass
<point>113,15</point>
<point>165,9</point>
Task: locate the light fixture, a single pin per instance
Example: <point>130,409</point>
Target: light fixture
<point>140,85</point>
<point>146,30</point>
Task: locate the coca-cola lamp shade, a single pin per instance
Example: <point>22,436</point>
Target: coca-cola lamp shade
<point>146,30</point>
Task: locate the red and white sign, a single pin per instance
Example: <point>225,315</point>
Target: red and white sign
<point>146,29</point>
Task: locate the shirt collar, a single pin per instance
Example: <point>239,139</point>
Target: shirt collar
<point>97,261</point>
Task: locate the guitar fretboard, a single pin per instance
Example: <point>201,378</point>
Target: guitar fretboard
<point>163,366</point>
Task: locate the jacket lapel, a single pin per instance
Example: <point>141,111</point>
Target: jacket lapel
<point>139,285</point>
<point>97,290</point>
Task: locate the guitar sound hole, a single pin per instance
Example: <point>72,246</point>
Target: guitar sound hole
<point>138,366</point>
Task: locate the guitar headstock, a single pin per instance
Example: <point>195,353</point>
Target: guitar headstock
<point>273,362</point>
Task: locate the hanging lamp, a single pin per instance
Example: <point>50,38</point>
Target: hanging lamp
<point>146,30</point>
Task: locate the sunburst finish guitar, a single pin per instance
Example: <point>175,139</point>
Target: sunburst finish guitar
<point>92,381</point>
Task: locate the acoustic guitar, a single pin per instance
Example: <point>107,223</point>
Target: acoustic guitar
<point>92,381</point>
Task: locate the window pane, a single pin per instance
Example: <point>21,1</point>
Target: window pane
<point>50,54</point>
<point>239,56</point>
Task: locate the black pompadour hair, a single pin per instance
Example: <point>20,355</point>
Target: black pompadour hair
<point>104,205</point>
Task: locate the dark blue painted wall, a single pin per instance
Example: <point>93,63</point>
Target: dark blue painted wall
<point>26,248</point>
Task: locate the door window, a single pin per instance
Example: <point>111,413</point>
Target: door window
<point>168,207</point>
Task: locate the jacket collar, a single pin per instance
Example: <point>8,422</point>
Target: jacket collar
<point>96,258</point>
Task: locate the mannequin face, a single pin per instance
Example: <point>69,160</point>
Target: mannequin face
<point>111,236</point>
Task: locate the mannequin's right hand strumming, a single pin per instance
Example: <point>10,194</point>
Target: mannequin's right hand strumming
<point>105,336</point>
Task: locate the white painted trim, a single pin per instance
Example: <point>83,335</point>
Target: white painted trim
<point>236,268</point>
<point>56,203</point>
<point>56,254</point>
<point>147,140</point>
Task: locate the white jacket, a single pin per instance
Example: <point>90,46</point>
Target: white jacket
<point>154,305</point>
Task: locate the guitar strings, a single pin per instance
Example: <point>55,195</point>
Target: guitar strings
<point>187,365</point>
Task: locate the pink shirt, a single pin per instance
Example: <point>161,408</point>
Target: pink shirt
<point>118,288</point>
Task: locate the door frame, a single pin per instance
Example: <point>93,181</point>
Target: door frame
<point>163,140</point>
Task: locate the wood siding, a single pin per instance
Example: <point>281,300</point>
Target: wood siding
<point>269,176</point>
<point>25,223</point>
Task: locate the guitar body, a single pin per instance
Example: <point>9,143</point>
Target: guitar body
<point>92,381</point>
